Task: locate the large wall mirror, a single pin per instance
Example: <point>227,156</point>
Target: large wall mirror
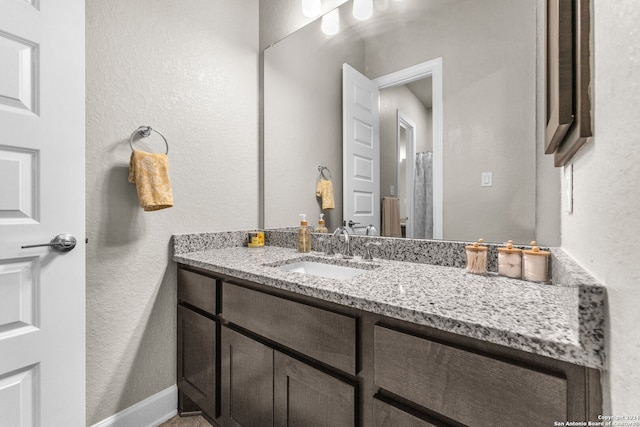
<point>489,51</point>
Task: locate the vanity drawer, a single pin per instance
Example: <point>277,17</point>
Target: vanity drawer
<point>320,334</point>
<point>198,290</point>
<point>385,415</point>
<point>465,386</point>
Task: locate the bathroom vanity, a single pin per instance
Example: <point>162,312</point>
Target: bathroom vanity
<point>401,344</point>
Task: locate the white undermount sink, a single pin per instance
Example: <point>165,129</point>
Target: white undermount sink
<point>321,269</point>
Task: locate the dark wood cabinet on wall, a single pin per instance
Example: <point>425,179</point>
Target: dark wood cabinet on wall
<point>252,356</point>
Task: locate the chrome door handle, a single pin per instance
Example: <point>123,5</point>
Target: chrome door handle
<point>60,243</point>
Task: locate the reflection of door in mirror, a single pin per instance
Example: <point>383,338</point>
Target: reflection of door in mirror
<point>361,150</point>
<point>411,147</point>
<point>407,125</point>
<point>406,146</point>
<point>380,145</point>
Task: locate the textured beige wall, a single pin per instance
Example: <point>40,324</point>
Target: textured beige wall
<point>603,231</point>
<point>189,68</point>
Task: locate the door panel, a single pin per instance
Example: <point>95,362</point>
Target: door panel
<point>307,397</point>
<point>17,394</point>
<point>197,379</point>
<point>247,381</point>
<point>42,299</point>
<point>361,148</point>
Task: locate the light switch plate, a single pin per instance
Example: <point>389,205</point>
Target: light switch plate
<point>487,179</point>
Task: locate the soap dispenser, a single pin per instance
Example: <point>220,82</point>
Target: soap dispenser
<point>304,235</point>
<point>321,228</point>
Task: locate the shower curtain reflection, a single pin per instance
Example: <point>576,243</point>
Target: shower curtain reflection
<point>423,196</point>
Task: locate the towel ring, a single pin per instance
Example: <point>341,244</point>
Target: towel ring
<point>144,132</point>
<point>321,169</point>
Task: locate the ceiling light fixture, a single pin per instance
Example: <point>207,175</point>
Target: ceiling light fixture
<point>331,23</point>
<point>362,9</point>
<point>311,8</point>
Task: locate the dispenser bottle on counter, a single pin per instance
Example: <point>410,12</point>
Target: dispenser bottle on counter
<point>321,228</point>
<point>304,235</point>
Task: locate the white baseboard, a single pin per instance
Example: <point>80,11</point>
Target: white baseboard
<point>150,412</point>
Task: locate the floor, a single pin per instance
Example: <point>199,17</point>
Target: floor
<point>178,421</point>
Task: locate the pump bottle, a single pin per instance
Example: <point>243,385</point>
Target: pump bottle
<point>304,235</point>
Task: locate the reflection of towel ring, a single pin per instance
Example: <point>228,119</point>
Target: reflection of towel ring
<point>321,169</point>
<point>145,131</point>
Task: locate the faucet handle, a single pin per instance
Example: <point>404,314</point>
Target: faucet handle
<point>371,230</point>
<point>367,250</point>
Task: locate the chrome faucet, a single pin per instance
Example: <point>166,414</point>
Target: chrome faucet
<point>346,250</point>
<point>370,229</point>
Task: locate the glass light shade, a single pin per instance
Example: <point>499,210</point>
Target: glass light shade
<point>331,23</point>
<point>362,9</point>
<point>311,8</point>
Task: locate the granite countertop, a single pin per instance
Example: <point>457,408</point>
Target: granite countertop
<point>562,322</point>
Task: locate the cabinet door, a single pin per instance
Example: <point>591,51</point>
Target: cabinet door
<point>307,397</point>
<point>247,381</point>
<point>197,359</point>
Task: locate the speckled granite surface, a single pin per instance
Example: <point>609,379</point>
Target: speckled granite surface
<point>436,252</point>
<point>564,321</point>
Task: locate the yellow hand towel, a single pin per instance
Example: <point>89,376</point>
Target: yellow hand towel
<point>150,173</point>
<point>324,189</point>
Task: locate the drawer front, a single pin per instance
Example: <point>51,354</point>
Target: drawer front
<point>385,415</point>
<point>468,387</point>
<point>323,335</point>
<point>197,290</point>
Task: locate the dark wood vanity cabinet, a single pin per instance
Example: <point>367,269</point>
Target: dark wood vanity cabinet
<point>263,383</point>
<point>258,356</point>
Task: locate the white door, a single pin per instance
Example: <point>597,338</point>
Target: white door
<point>406,154</point>
<point>360,149</point>
<point>42,298</point>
